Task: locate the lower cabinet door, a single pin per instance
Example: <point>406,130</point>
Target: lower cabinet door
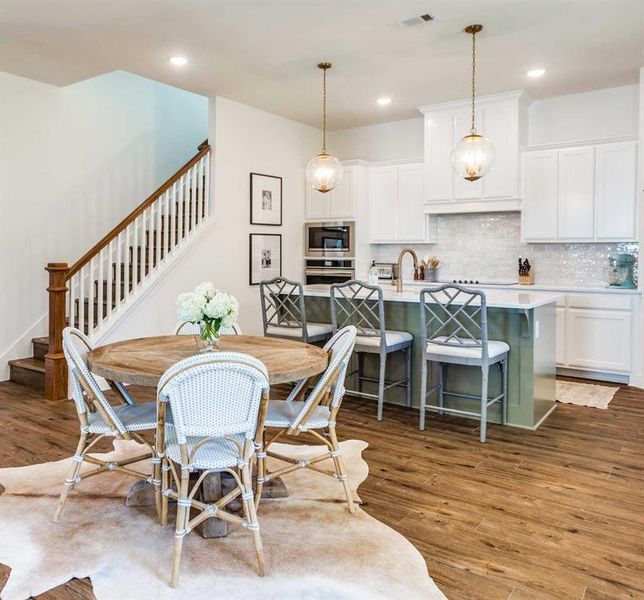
<point>560,334</point>
<point>598,339</point>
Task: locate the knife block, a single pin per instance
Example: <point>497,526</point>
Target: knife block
<point>526,279</point>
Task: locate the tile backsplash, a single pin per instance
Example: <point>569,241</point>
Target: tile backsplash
<point>486,246</point>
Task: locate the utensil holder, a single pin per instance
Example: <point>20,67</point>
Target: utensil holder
<point>431,274</point>
<point>527,279</point>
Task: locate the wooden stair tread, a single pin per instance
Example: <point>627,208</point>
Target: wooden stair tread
<point>30,363</point>
<point>40,340</point>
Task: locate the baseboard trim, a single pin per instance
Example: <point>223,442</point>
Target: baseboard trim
<point>594,375</point>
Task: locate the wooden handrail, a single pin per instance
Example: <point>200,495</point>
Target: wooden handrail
<point>105,240</point>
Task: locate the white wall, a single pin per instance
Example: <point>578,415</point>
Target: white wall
<point>386,141</point>
<point>74,162</point>
<point>245,140</point>
<point>588,115</point>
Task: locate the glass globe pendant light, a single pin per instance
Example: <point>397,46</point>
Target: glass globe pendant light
<point>324,171</point>
<point>473,155</point>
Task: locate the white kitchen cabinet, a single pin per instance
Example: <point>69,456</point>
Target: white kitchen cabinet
<point>599,340</point>
<point>501,118</point>
<point>339,203</point>
<point>580,193</point>
<point>540,195</point>
<point>383,201</point>
<point>560,329</point>
<point>396,204</point>
<point>576,193</point>
<point>616,191</point>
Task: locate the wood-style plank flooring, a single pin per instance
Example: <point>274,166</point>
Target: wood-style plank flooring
<point>556,513</point>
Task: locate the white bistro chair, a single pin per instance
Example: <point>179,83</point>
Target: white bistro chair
<point>362,305</point>
<point>99,419</point>
<point>218,403</point>
<point>453,321</point>
<point>284,312</point>
<point>188,328</point>
<point>316,415</point>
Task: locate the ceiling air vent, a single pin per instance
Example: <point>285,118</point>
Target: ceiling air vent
<point>419,20</point>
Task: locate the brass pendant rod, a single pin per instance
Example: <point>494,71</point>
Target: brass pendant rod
<point>325,66</point>
<point>473,30</point>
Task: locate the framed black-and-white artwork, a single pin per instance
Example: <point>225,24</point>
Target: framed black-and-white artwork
<point>265,257</point>
<point>265,199</point>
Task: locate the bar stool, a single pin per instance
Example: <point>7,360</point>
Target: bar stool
<point>284,313</point>
<point>362,305</point>
<point>453,324</point>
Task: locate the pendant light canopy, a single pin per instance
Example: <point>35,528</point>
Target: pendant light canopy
<point>324,171</point>
<point>473,156</point>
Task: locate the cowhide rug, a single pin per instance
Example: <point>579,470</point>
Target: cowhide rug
<point>314,547</point>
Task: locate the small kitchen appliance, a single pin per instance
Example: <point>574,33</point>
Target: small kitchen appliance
<point>620,273</point>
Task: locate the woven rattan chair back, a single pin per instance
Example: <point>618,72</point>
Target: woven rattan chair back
<point>187,328</point>
<point>214,394</point>
<point>330,386</point>
<point>358,304</point>
<point>87,394</point>
<point>453,315</point>
<point>282,304</point>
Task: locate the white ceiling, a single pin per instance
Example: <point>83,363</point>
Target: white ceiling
<point>264,53</point>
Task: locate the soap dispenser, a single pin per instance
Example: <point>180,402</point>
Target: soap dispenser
<point>373,274</point>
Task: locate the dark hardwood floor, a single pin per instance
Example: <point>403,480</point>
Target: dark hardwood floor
<point>556,513</point>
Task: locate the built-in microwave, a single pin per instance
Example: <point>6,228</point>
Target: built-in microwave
<point>330,239</point>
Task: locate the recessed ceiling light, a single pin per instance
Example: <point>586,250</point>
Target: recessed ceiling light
<point>534,73</point>
<point>384,101</point>
<point>179,61</point>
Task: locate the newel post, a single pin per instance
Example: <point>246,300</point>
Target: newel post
<point>55,365</point>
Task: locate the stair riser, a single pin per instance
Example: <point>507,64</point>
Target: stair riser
<point>40,349</point>
<point>24,376</point>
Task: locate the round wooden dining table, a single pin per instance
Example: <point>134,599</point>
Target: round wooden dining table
<point>143,361</point>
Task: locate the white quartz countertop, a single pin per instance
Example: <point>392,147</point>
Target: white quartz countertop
<point>496,298</point>
<point>539,287</point>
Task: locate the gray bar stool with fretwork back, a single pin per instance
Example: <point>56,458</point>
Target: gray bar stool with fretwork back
<point>362,305</point>
<point>453,323</point>
<point>284,312</point>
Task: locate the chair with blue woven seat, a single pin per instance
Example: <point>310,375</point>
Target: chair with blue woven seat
<point>453,322</point>
<point>362,305</point>
<point>218,403</point>
<point>284,312</point>
<point>318,412</point>
<point>99,419</point>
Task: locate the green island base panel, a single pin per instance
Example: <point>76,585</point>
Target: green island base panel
<point>531,369</point>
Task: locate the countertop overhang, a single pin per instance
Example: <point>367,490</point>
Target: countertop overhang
<point>508,299</point>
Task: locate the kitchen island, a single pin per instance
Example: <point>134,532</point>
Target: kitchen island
<point>523,319</point>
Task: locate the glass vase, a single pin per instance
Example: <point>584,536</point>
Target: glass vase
<point>208,337</point>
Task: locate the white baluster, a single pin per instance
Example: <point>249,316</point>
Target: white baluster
<point>180,206</point>
<point>134,254</point>
<point>148,237</point>
<point>207,186</point>
<point>126,262</point>
<point>99,285</point>
<point>90,297</point>
<point>81,299</point>
<point>160,238</point>
<point>116,271</point>
<point>172,217</point>
<point>109,280</point>
<point>201,188</point>
<point>71,309</point>
<point>191,195</point>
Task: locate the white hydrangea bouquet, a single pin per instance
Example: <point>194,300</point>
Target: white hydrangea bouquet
<point>209,308</point>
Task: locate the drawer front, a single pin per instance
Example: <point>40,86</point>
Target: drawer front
<point>600,301</point>
<point>599,339</point>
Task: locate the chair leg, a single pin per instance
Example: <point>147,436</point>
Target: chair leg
<point>423,395</point>
<point>381,384</point>
<point>504,404</point>
<point>484,378</point>
<point>250,514</point>
<point>165,484</point>
<point>408,364</point>
<point>183,514</point>
<point>71,478</point>
<point>441,386</point>
<point>261,472</point>
<point>339,468</point>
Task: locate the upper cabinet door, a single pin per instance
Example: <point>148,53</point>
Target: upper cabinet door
<point>410,225</point>
<point>577,193</point>
<point>439,140</point>
<point>383,195</point>
<point>317,203</point>
<point>500,126</point>
<point>616,191</point>
<point>464,189</point>
<point>341,200</point>
<point>540,190</point>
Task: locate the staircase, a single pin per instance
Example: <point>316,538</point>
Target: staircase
<point>95,291</point>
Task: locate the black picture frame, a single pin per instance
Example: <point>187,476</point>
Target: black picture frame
<point>256,202</point>
<point>255,275</point>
